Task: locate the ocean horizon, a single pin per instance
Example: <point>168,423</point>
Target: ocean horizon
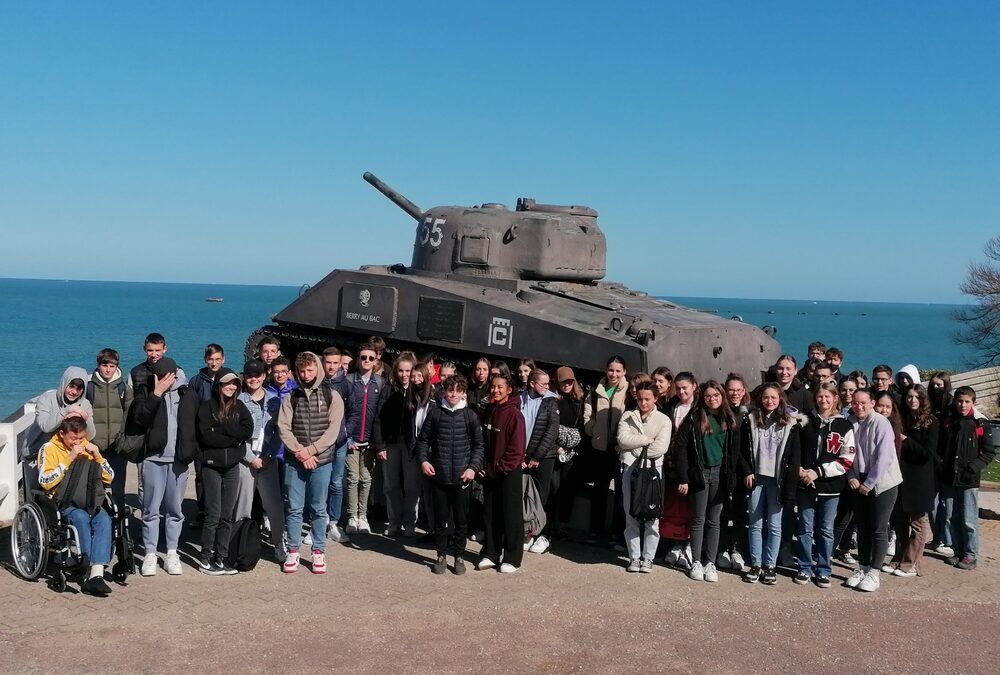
<point>51,324</point>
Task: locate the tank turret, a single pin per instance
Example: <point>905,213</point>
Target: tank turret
<point>535,242</point>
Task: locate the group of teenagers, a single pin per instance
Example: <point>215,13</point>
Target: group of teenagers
<point>788,471</point>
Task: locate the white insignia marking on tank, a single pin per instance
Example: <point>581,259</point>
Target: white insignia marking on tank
<point>501,333</point>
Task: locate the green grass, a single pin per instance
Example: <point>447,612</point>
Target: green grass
<point>992,472</point>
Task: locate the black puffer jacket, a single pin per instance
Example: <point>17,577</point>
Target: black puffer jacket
<point>222,441</point>
<point>544,440</point>
<point>452,441</point>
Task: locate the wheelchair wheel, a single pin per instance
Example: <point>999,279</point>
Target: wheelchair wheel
<point>29,541</point>
<point>59,582</point>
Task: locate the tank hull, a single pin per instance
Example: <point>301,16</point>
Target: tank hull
<point>554,323</point>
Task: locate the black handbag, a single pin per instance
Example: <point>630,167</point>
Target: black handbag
<point>647,490</point>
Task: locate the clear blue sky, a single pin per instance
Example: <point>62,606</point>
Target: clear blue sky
<point>732,149</point>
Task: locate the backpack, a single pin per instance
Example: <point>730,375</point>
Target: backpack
<point>534,509</point>
<point>89,392</point>
<point>646,501</point>
<point>82,487</point>
<point>244,545</point>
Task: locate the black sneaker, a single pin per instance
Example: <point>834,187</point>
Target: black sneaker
<point>769,576</point>
<point>459,565</point>
<point>206,565</point>
<point>96,586</point>
<point>226,568</point>
<point>953,560</point>
<point>441,565</point>
<point>802,578</point>
<point>822,582</point>
<point>752,576</point>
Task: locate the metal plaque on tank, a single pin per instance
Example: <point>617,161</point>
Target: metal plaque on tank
<point>441,319</point>
<point>368,307</point>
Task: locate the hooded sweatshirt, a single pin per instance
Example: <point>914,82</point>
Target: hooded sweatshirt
<point>910,370</point>
<point>505,439</point>
<point>52,406</point>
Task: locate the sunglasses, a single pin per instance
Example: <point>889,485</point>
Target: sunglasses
<point>368,358</point>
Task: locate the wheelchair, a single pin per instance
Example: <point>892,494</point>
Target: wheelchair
<point>40,534</point>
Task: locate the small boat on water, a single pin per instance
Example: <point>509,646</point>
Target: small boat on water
<point>213,299</point>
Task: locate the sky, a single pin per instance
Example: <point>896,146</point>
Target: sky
<point>770,149</point>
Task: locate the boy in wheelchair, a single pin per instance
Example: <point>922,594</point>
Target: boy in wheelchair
<point>75,475</point>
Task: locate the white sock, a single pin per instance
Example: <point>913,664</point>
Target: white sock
<point>96,571</point>
<point>171,551</point>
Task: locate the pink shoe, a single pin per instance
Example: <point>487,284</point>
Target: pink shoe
<point>318,562</point>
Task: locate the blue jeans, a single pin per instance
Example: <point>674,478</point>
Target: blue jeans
<point>335,499</point>
<point>301,484</point>
<point>962,528</point>
<point>816,516</point>
<point>94,532</point>
<point>764,503</point>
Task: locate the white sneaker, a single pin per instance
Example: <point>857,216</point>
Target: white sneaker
<point>507,568</point>
<point>724,561</point>
<point>892,546</point>
<point>391,531</point>
<point>736,560</point>
<point>336,535</point>
<point>363,526</point>
<point>149,562</point>
<point>855,579</point>
<point>697,572</point>
<point>307,539</point>
<point>352,525</point>
<point>485,564</point>
<point>172,564</point>
<point>946,551</point>
<point>870,582</point>
<point>528,542</point>
<point>888,568</point>
<point>634,565</point>
<point>541,545</point>
<point>710,574</point>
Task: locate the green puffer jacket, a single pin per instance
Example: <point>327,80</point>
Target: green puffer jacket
<point>110,404</point>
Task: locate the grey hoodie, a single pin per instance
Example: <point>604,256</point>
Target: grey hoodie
<point>50,409</point>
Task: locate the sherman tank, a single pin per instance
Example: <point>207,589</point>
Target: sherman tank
<point>527,283</point>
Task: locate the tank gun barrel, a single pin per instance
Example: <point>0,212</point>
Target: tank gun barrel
<point>399,200</point>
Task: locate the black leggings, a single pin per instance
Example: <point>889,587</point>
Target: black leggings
<point>873,513</point>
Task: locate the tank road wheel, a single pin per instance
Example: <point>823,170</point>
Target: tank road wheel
<point>29,541</point>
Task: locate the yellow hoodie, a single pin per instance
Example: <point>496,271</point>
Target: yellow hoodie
<point>53,460</point>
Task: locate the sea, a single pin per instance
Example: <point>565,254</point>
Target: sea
<point>48,325</point>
